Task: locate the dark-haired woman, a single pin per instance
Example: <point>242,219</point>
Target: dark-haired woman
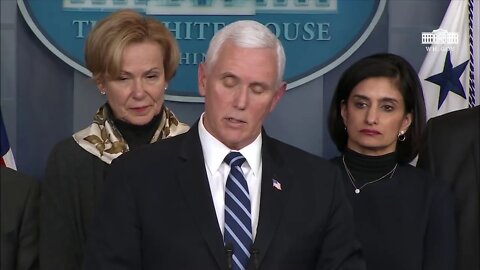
<point>404,217</point>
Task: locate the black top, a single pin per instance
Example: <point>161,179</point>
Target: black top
<point>136,135</point>
<point>404,221</point>
<point>70,192</point>
<point>367,169</point>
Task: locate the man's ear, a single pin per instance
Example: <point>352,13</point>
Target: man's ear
<point>278,95</point>
<point>202,79</point>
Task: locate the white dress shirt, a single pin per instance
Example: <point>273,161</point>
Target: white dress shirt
<point>217,172</point>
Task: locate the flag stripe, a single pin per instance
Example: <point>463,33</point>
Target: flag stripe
<point>5,151</point>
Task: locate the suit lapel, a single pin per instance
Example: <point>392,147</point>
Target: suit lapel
<point>196,190</point>
<point>272,199</point>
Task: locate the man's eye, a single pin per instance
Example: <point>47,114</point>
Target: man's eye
<point>229,81</point>
<point>257,89</point>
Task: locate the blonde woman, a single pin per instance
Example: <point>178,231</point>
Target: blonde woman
<point>132,59</point>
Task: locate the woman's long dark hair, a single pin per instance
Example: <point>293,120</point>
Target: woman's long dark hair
<point>405,78</point>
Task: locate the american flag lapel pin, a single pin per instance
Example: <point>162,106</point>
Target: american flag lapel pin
<point>276,184</point>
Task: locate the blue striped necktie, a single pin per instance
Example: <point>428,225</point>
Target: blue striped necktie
<point>238,221</point>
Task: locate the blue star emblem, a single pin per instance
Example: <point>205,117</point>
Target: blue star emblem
<point>449,80</point>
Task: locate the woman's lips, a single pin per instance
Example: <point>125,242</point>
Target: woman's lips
<point>140,110</point>
<point>370,132</point>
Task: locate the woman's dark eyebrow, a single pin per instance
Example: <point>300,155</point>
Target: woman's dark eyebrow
<point>385,99</point>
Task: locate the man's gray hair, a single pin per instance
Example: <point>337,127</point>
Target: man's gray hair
<point>246,34</point>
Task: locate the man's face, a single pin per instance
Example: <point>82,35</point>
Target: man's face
<point>240,90</point>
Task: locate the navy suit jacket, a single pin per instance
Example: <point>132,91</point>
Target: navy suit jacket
<point>19,195</point>
<point>157,212</point>
<point>452,153</point>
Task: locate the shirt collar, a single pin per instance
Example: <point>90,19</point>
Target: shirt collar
<point>215,151</point>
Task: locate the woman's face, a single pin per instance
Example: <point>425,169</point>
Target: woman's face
<point>374,115</point>
<point>137,94</point>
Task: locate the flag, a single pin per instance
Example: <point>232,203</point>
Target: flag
<point>5,151</point>
<point>447,73</point>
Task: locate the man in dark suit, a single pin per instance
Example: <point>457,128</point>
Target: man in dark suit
<point>452,153</point>
<point>19,221</point>
<point>179,205</point>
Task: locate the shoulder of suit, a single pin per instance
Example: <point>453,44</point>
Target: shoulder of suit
<point>290,152</point>
<point>15,180</point>
<point>459,116</point>
<point>460,120</point>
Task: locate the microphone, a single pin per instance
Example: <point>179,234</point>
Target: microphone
<point>229,253</point>
<point>255,254</point>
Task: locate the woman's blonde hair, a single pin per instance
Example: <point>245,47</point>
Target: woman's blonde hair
<point>110,36</point>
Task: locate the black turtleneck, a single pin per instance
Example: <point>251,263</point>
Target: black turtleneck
<point>367,168</point>
<point>136,135</point>
<point>403,222</point>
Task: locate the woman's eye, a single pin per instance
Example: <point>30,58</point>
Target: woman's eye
<point>360,105</point>
<point>388,108</point>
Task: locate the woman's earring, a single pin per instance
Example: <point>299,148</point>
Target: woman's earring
<point>102,92</point>
<point>401,136</point>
